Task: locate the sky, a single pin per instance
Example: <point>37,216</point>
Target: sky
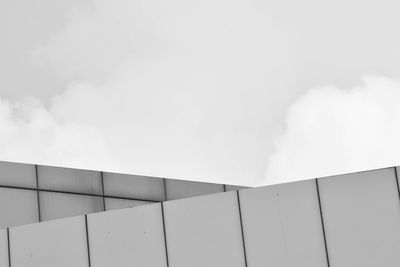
<point>240,92</point>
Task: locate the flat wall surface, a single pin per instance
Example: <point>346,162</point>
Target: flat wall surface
<point>129,186</point>
<point>34,193</point>
<point>60,205</point>
<point>56,243</point>
<point>3,248</point>
<point>177,189</point>
<point>350,220</point>
<point>127,237</point>
<point>204,231</point>
<point>18,206</point>
<point>282,225</point>
<point>70,180</point>
<point>362,218</point>
<point>17,174</point>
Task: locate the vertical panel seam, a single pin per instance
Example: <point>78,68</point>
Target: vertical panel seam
<point>165,189</point>
<point>8,245</point>
<point>37,192</point>
<point>322,222</point>
<point>397,181</point>
<point>241,228</point>
<point>102,189</point>
<point>165,233</point>
<point>87,239</point>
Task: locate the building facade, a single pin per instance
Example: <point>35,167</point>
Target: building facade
<point>33,193</point>
<point>345,220</point>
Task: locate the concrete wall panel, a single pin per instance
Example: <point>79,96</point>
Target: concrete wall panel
<point>204,231</point>
<point>362,218</point>
<point>60,243</point>
<point>129,237</point>
<point>17,174</point>
<point>177,189</point>
<point>117,203</point>
<point>17,207</point>
<point>133,186</point>
<point>3,248</point>
<point>282,225</point>
<point>59,205</point>
<point>71,180</point>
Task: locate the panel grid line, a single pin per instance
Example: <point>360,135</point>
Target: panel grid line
<point>102,190</point>
<point>76,193</point>
<point>165,233</point>
<point>87,239</point>
<point>322,222</point>
<point>397,181</point>
<point>8,245</point>
<point>165,189</point>
<point>37,192</point>
<point>241,228</point>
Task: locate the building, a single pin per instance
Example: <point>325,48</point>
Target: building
<point>34,193</point>
<point>345,220</point>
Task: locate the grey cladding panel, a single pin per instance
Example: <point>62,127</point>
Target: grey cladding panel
<point>71,180</point>
<point>117,203</point>
<point>204,231</point>
<point>128,237</point>
<point>362,218</point>
<point>282,225</point>
<point>177,189</point>
<point>234,187</point>
<point>17,207</point>
<point>3,248</point>
<point>60,243</point>
<point>17,174</point>
<point>60,205</point>
<point>133,186</point>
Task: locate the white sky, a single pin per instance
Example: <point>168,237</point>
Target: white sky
<point>242,92</point>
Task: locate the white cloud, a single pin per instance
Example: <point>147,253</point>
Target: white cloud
<point>30,133</point>
<point>179,89</point>
<point>330,130</point>
<point>131,125</point>
<point>171,93</point>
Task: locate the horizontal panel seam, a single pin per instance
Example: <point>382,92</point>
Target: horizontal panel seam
<point>77,193</point>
